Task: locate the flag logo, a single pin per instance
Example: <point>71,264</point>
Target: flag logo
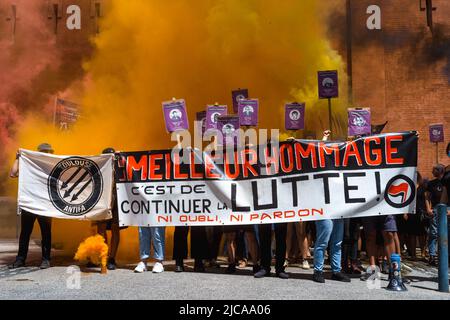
<point>75,185</point>
<point>400,191</point>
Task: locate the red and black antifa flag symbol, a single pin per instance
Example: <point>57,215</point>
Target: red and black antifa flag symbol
<point>286,182</point>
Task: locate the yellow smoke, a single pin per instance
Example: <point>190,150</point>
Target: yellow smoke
<point>93,249</point>
<point>149,51</point>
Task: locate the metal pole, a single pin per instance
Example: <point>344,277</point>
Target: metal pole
<point>443,247</point>
<point>330,122</point>
<point>437,152</point>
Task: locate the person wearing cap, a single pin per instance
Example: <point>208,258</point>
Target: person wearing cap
<point>27,222</point>
<point>112,225</point>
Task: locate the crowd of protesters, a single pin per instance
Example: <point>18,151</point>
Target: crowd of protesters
<point>341,241</point>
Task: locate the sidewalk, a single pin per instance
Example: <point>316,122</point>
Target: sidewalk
<point>55,283</point>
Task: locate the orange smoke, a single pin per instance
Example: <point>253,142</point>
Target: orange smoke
<point>149,51</point>
<point>93,249</point>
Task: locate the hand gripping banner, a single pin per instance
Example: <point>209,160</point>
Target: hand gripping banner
<point>302,180</point>
<point>69,187</point>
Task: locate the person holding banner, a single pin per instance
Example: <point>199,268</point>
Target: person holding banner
<point>199,247</point>
<point>231,234</point>
<point>151,236</point>
<point>329,233</point>
<point>27,222</point>
<point>111,224</point>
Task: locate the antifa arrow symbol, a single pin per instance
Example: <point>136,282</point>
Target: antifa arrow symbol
<point>65,184</point>
<point>68,192</point>
<point>75,196</point>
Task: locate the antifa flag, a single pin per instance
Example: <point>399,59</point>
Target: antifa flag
<point>68,187</point>
<point>66,114</point>
<point>377,129</point>
<point>290,181</point>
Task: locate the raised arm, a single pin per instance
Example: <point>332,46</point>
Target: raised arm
<point>14,172</point>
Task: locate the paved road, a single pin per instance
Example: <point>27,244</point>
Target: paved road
<point>56,283</point>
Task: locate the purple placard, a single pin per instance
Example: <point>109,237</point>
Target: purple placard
<point>359,122</point>
<point>175,115</point>
<point>212,113</point>
<point>238,95</point>
<point>248,112</point>
<point>294,116</point>
<point>229,127</point>
<point>437,133</point>
<point>200,117</point>
<point>328,84</point>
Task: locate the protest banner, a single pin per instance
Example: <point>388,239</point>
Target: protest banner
<point>212,113</point>
<point>248,112</point>
<point>68,187</point>
<point>294,116</point>
<point>175,115</point>
<point>237,95</point>
<point>359,122</point>
<point>436,133</point>
<point>229,127</point>
<point>328,84</point>
<point>200,117</point>
<point>66,114</point>
<point>436,136</point>
<point>293,181</point>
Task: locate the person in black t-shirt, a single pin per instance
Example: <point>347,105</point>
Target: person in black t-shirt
<point>433,197</point>
<point>445,198</point>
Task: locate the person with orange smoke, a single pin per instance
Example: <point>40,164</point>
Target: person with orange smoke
<point>111,224</point>
<point>27,222</point>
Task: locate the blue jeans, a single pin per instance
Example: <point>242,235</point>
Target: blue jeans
<point>155,236</point>
<point>332,232</point>
<point>433,234</point>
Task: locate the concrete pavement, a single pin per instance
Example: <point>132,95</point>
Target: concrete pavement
<point>61,282</point>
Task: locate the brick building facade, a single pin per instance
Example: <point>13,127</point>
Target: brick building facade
<point>403,70</point>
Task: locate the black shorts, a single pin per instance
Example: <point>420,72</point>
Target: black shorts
<point>380,223</point>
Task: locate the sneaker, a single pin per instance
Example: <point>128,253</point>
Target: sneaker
<point>339,276</point>
<point>199,266</point>
<point>432,261</point>
<point>141,267</point>
<point>261,273</point>
<point>231,268</point>
<point>179,268</point>
<point>17,264</point>
<point>111,265</point>
<point>45,264</point>
<point>367,275</point>
<point>305,265</point>
<point>282,275</point>
<point>318,277</point>
<point>158,268</point>
<point>256,268</point>
<point>212,264</point>
<point>355,269</point>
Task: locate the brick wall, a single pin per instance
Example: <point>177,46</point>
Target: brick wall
<point>399,71</point>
